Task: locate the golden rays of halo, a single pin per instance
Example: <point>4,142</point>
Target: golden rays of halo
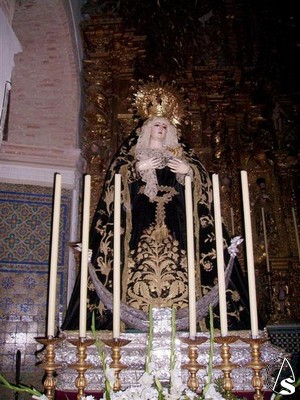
<point>159,99</point>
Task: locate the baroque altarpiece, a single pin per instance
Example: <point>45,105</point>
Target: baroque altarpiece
<point>243,113</point>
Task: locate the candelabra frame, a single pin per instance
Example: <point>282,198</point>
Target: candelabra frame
<point>81,365</point>
<point>50,366</point>
<point>226,366</point>
<point>256,365</point>
<point>193,366</point>
<point>116,364</point>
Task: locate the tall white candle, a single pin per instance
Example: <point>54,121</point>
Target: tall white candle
<point>190,256</point>
<point>296,232</point>
<point>54,256</point>
<point>220,255</point>
<point>232,221</point>
<point>84,256</point>
<point>265,238</point>
<point>117,257</point>
<point>249,254</point>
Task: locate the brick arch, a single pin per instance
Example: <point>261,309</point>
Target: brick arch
<point>46,89</point>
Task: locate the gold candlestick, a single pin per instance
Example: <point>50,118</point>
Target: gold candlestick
<point>116,345</point>
<point>81,366</point>
<point>193,366</point>
<point>226,365</point>
<point>256,364</point>
<point>50,366</point>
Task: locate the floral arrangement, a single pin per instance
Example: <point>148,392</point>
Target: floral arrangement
<point>149,387</point>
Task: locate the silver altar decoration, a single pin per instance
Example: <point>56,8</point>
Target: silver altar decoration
<point>134,356</point>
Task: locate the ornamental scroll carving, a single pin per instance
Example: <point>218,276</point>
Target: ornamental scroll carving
<point>110,55</point>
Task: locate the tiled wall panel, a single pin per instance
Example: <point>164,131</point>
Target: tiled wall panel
<point>25,238</point>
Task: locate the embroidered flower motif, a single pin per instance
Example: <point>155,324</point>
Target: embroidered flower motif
<point>235,296</point>
<point>208,266</point>
<point>205,289</point>
<point>204,222</point>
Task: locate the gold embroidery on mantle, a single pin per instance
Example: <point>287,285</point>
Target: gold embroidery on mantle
<point>157,270</point>
<point>157,275</point>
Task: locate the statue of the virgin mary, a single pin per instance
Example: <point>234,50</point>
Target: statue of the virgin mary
<point>153,163</point>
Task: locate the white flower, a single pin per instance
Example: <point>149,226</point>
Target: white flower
<point>131,393</point>
<point>212,394</point>
<point>189,394</point>
<point>110,375</point>
<point>90,397</point>
<point>177,386</point>
<point>149,393</point>
<point>143,391</point>
<point>146,379</point>
<point>42,397</point>
<point>151,366</point>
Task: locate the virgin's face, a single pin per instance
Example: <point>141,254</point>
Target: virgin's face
<point>158,131</point>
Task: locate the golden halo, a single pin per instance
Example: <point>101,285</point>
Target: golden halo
<point>160,100</point>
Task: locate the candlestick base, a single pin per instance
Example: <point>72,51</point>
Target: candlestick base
<point>226,365</point>
<point>116,345</point>
<point>49,366</point>
<point>256,364</point>
<point>193,366</point>
<point>81,366</point>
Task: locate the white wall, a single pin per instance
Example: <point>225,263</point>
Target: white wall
<point>9,46</point>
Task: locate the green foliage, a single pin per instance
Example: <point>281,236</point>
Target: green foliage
<point>100,348</point>
<point>150,342</point>
<point>220,389</point>
<point>19,388</point>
